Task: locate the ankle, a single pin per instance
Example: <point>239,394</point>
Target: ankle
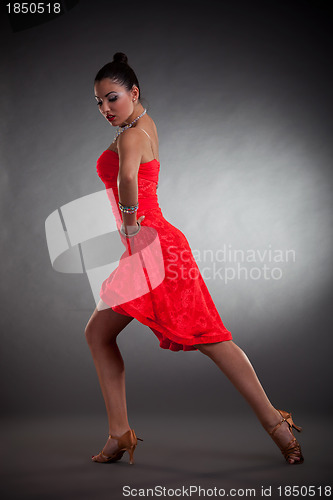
<point>116,432</point>
<point>271,420</point>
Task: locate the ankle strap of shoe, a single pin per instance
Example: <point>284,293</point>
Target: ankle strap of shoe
<point>113,437</point>
<point>277,426</point>
<point>117,438</point>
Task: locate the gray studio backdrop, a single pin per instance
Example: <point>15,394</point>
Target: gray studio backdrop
<point>241,95</point>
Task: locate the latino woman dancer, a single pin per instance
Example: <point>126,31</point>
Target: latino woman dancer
<point>178,308</point>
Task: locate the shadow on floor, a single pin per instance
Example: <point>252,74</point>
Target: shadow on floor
<point>51,459</point>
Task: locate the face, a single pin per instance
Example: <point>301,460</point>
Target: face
<point>115,102</point>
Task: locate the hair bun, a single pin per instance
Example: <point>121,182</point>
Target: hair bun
<point>120,57</point>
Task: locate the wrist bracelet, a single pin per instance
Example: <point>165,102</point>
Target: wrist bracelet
<point>129,209</point>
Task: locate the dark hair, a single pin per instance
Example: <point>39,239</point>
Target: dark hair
<point>119,72</point>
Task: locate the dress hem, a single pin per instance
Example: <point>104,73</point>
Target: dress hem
<point>167,339</point>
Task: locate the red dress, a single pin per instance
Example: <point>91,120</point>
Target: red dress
<point>158,281</point>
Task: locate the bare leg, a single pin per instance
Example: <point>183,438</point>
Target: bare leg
<point>101,334</point>
<point>236,366</point>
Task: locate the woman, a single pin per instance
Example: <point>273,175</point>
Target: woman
<point>178,307</point>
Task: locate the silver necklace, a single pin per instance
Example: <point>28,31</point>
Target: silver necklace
<point>122,129</point>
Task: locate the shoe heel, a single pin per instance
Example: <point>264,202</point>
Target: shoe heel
<point>293,425</point>
<point>131,454</point>
<point>287,416</point>
<point>299,429</point>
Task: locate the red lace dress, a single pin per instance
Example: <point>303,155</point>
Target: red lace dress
<point>157,280</point>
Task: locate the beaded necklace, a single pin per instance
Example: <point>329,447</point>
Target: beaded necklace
<point>122,129</point>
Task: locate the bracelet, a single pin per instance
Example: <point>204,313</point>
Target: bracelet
<point>130,209</point>
<point>133,234</point>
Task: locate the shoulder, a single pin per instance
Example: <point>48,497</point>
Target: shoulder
<point>130,139</point>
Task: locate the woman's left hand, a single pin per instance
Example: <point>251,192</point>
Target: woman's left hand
<point>132,229</point>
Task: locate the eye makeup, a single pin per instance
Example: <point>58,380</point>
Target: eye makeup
<point>112,97</point>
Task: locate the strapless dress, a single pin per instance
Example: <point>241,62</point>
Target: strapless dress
<point>157,280</point>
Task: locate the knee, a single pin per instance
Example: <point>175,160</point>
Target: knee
<point>89,333</point>
<point>99,336</point>
<point>94,335</point>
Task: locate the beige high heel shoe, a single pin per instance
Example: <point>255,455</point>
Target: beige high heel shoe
<point>127,442</point>
<point>293,447</point>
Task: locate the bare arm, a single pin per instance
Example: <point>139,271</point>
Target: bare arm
<point>130,154</point>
